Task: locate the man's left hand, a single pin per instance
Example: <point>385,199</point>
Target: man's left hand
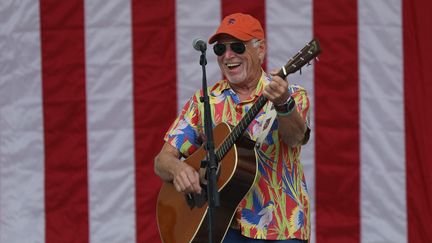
<point>277,90</point>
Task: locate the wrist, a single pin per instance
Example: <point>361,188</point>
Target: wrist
<point>283,103</point>
<point>286,108</point>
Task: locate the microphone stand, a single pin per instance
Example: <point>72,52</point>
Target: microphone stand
<point>212,164</point>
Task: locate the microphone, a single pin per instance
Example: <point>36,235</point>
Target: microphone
<point>199,45</point>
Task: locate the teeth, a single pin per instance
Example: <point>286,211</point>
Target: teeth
<point>233,64</point>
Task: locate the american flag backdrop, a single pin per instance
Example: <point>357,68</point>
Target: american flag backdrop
<point>88,88</point>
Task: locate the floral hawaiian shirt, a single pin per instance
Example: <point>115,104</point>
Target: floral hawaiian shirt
<point>277,207</point>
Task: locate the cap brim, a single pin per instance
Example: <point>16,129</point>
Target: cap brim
<point>236,34</point>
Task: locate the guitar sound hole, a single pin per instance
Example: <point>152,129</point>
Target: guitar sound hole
<point>197,200</point>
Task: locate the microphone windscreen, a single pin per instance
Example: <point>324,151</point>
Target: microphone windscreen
<point>199,44</point>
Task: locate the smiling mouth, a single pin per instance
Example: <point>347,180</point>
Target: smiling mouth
<point>232,65</point>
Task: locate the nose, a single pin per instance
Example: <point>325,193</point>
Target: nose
<point>229,53</point>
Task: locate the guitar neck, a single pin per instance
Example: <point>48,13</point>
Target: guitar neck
<point>241,127</point>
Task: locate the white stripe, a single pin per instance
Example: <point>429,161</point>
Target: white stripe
<point>383,196</point>
<point>110,121</point>
<point>289,28</point>
<point>22,217</point>
<point>195,19</point>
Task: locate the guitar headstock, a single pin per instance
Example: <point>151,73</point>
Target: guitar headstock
<point>303,57</point>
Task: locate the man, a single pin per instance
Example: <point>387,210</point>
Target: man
<point>277,206</point>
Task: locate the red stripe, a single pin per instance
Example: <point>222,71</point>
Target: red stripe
<point>337,122</point>
<point>255,8</point>
<point>418,117</point>
<point>64,111</point>
<point>155,101</point>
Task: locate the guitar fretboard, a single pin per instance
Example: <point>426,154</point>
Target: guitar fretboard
<point>238,130</point>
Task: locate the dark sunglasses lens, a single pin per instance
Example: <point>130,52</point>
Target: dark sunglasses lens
<point>219,49</point>
<point>238,47</point>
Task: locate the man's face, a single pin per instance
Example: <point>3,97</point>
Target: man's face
<point>241,68</point>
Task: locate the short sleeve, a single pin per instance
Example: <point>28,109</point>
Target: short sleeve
<point>183,132</point>
<point>303,104</point>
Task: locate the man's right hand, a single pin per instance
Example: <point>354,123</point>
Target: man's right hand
<point>168,166</point>
<point>186,179</point>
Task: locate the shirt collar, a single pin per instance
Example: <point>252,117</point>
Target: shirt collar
<point>223,85</point>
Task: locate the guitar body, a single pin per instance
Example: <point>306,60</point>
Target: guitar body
<point>179,223</point>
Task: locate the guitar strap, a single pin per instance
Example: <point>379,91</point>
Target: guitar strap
<point>270,115</point>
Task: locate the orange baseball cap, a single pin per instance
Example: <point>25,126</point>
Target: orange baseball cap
<point>241,26</point>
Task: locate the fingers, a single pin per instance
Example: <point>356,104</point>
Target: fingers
<point>196,182</point>
<point>274,71</point>
<point>186,180</point>
<point>277,90</point>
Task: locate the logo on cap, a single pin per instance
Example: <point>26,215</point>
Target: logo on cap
<point>231,21</point>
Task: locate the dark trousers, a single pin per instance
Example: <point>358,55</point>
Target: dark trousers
<point>234,236</point>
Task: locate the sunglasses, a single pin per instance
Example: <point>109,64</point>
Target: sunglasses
<point>237,47</point>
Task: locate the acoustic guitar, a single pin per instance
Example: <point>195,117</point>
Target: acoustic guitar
<point>184,218</point>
